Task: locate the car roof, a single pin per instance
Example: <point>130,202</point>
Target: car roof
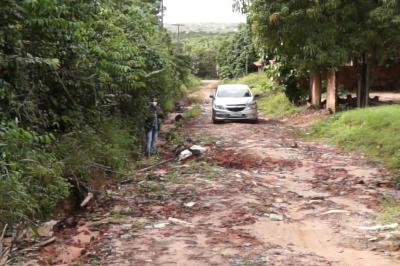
<point>233,86</point>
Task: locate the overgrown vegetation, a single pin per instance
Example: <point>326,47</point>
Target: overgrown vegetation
<point>75,81</point>
<point>373,131</point>
<point>202,51</point>
<point>277,105</point>
<point>318,37</point>
<point>391,211</point>
<point>31,181</point>
<point>223,55</point>
<point>273,101</point>
<point>259,83</point>
<point>194,112</point>
<point>236,55</point>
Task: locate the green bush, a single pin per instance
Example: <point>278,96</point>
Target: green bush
<point>291,81</point>
<point>274,101</point>
<point>373,131</point>
<point>193,113</point>
<point>31,183</point>
<point>192,83</point>
<point>84,70</point>
<point>110,145</point>
<point>277,105</point>
<point>258,82</point>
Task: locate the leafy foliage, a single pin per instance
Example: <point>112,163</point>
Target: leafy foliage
<point>202,50</point>
<point>260,83</point>
<point>291,80</point>
<point>277,105</point>
<point>81,73</point>
<point>108,145</point>
<point>373,131</point>
<point>317,36</point>
<point>205,27</point>
<point>236,55</point>
<point>60,59</point>
<point>30,183</point>
<point>274,101</point>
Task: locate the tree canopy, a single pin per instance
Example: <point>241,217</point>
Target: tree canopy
<point>237,55</point>
<point>323,35</point>
<point>61,58</point>
<point>76,77</point>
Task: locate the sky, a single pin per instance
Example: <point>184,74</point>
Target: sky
<point>198,11</point>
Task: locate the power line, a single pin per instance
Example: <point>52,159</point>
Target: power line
<point>179,32</point>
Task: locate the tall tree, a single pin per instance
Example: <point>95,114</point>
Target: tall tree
<point>318,36</point>
<point>61,59</point>
<point>237,54</point>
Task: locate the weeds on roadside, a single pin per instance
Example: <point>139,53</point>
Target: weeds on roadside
<point>390,212</point>
<point>194,99</point>
<point>198,169</point>
<point>277,105</point>
<point>373,131</point>
<point>274,101</point>
<point>110,147</point>
<point>30,176</point>
<point>194,112</point>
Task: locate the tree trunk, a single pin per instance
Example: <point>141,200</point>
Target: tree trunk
<point>363,83</point>
<point>315,89</point>
<point>331,91</point>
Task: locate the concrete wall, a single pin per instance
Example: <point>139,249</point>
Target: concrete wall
<point>382,78</point>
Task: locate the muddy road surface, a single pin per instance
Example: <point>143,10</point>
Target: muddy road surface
<point>259,195</point>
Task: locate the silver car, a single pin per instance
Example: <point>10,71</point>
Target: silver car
<point>234,102</point>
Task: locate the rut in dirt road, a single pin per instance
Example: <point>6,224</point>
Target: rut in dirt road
<point>259,196</point>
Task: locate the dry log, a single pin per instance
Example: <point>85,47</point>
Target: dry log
<point>155,165</point>
<point>88,198</point>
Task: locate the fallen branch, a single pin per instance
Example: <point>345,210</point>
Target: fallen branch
<point>126,181</point>
<point>154,73</point>
<point>2,236</point>
<point>4,252</point>
<point>38,246</point>
<point>88,198</point>
<point>106,169</point>
<point>155,165</point>
<point>46,242</point>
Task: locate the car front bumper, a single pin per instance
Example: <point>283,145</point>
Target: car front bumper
<point>247,114</point>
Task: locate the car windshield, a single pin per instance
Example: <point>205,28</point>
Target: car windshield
<point>233,92</point>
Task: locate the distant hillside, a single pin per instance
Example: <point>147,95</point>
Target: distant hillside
<point>205,27</point>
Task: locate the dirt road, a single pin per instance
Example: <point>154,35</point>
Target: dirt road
<point>259,196</point>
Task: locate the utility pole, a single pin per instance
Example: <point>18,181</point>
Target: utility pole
<point>162,13</point>
<point>179,31</point>
<point>247,64</point>
<point>179,35</point>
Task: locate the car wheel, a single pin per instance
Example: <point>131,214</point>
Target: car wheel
<point>215,121</point>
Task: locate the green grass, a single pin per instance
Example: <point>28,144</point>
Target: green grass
<point>391,212</point>
<point>273,102</point>
<point>374,131</point>
<point>191,84</point>
<point>193,112</point>
<point>258,82</point>
<point>277,105</point>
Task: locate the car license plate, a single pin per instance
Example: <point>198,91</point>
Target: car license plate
<point>236,115</point>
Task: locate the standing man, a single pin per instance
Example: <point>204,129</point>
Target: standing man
<point>152,125</point>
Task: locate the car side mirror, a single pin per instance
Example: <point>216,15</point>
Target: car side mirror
<point>257,96</point>
<point>212,96</point>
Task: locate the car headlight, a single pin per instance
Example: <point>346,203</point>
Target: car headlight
<point>252,105</point>
<point>219,107</point>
